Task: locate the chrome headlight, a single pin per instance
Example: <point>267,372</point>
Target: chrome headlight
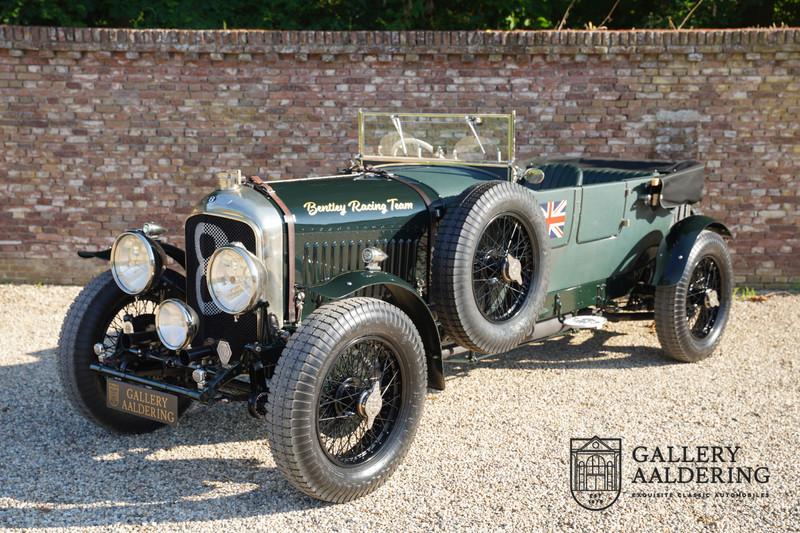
<point>236,279</point>
<point>176,324</point>
<point>134,262</point>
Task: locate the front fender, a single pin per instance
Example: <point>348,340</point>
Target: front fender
<point>673,253</point>
<point>403,296</point>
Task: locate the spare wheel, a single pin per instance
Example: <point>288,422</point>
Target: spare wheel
<point>490,267</point>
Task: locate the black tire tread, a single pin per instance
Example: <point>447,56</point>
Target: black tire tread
<point>444,286</point>
<point>291,403</point>
<point>670,302</point>
<point>73,377</point>
<point>76,378</point>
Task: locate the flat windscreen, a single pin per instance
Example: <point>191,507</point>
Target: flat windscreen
<point>477,138</point>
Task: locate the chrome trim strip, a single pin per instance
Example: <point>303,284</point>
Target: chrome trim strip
<point>243,204</point>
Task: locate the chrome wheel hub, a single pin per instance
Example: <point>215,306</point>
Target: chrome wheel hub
<point>512,269</point>
<point>711,299</point>
<point>370,403</point>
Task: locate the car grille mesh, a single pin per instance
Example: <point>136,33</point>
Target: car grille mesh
<point>204,234</point>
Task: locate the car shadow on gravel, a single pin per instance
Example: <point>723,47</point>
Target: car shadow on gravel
<point>63,471</point>
<point>569,351</point>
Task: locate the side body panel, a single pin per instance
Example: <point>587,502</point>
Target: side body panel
<point>597,232</point>
<point>337,217</point>
<point>602,213</point>
<point>627,228</point>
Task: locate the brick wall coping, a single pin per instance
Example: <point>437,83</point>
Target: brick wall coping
<point>271,41</point>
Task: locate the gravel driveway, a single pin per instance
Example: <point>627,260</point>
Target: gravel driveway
<point>492,451</point>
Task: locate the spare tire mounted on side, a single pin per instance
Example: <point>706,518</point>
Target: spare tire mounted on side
<point>490,267</point>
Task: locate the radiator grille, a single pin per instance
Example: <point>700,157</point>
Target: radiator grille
<point>204,234</point>
<point>323,260</point>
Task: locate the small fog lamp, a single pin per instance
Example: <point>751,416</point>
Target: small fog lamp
<point>176,324</point>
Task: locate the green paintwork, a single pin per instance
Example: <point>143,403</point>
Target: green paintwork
<point>574,298</point>
<point>329,242</point>
<point>377,201</point>
<point>405,297</point>
<point>609,229</point>
<point>576,263</point>
<point>568,194</point>
<point>673,253</point>
<point>350,282</point>
<point>608,225</point>
<point>444,183</point>
<point>602,216</point>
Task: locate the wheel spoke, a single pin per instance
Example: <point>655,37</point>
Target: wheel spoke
<point>498,297</point>
<point>137,308</point>
<point>343,430</point>
<point>705,282</point>
<point>351,415</point>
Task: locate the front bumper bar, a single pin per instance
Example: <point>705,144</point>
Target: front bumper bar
<point>204,395</point>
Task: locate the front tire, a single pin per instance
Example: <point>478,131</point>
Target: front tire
<point>691,315</point>
<point>92,318</point>
<point>346,398</point>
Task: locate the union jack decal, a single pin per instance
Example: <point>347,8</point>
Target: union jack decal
<point>555,215</point>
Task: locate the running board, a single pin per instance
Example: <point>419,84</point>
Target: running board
<point>585,322</point>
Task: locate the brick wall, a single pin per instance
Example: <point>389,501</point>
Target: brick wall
<point>103,130</point>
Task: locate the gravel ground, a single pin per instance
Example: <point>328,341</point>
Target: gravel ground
<point>492,451</point>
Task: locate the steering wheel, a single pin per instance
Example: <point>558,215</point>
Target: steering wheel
<point>411,143</point>
<point>468,149</point>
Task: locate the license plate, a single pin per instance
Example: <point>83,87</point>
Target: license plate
<point>141,401</point>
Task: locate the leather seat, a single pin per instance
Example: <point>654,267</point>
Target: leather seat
<point>594,176</point>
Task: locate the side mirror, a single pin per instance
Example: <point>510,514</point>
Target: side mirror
<point>533,175</point>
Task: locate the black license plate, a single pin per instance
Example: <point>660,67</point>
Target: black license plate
<point>141,401</point>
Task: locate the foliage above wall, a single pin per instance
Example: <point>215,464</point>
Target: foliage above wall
<point>401,14</point>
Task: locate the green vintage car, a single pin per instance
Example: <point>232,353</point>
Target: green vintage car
<point>327,304</point>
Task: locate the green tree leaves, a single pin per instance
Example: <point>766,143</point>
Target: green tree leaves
<point>398,14</point>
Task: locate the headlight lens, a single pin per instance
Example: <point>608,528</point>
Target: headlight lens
<point>134,262</point>
<point>176,324</point>
<point>235,279</point>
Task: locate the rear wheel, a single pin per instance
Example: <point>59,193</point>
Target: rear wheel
<point>692,314</point>
<point>346,398</point>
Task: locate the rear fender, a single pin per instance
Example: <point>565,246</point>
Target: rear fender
<point>673,253</point>
<point>406,298</point>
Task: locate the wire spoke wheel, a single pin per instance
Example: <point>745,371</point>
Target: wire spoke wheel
<point>503,268</point>
<point>691,314</point>
<point>360,401</point>
<point>141,313</point>
<point>702,298</point>
<point>490,269</point>
<point>97,316</point>
<point>346,398</point>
